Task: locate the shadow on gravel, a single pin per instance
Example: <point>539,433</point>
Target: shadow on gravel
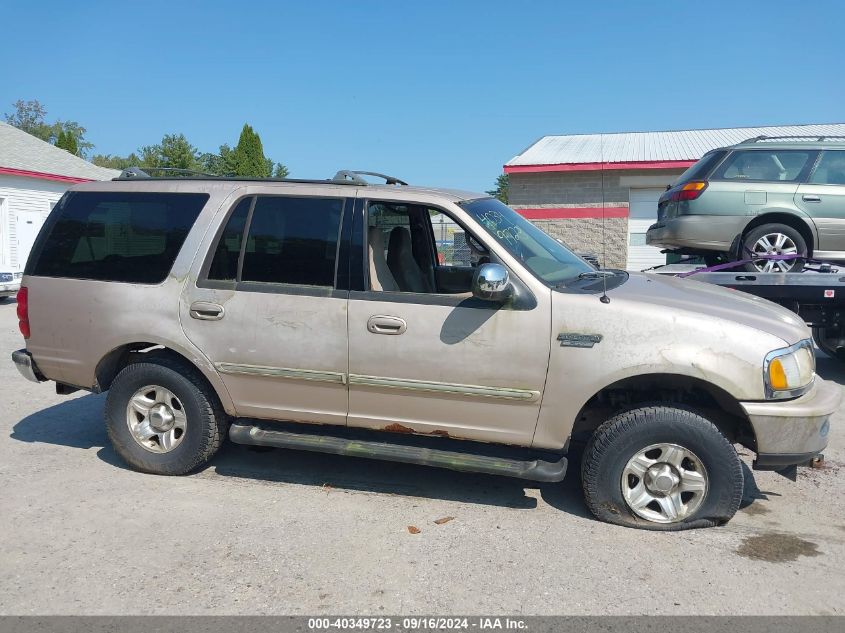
<point>335,472</point>
<point>78,423</point>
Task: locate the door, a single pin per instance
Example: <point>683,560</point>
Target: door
<point>822,197</point>
<point>266,311</point>
<point>27,227</point>
<point>427,357</point>
<point>642,207</point>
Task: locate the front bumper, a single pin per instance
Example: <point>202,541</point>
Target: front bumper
<point>26,366</point>
<point>697,232</point>
<point>793,431</point>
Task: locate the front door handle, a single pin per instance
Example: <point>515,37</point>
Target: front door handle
<point>380,324</point>
<point>205,311</point>
<point>811,198</point>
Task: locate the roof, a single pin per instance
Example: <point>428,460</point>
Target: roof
<point>25,155</point>
<point>631,150</point>
<point>192,183</point>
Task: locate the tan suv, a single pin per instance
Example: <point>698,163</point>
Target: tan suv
<point>418,325</point>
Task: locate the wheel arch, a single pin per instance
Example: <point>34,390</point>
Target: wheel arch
<point>710,400</point>
<point>119,357</point>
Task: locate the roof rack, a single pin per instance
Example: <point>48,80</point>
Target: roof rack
<point>343,177</point>
<point>812,137</point>
<point>354,176</point>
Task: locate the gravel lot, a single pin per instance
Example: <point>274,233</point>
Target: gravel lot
<point>295,533</point>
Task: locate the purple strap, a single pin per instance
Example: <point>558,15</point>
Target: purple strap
<point>731,265</point>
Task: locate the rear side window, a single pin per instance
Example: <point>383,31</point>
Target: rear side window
<point>831,169</point>
<point>288,241</point>
<point>115,236</point>
<point>772,165</point>
<point>703,167</point>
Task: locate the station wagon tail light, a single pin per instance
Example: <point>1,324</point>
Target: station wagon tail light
<point>23,311</point>
<point>690,190</point>
<point>789,372</point>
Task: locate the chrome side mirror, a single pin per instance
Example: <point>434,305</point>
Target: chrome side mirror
<point>491,282</point>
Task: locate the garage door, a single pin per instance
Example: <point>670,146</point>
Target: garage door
<point>643,213</point>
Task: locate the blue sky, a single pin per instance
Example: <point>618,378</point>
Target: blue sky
<point>439,93</point>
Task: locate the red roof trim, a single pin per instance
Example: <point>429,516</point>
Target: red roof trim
<point>43,176</point>
<point>644,164</point>
<point>567,213</point>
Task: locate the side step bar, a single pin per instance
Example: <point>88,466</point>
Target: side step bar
<point>534,469</point>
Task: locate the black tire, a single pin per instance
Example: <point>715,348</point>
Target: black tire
<point>207,422</point>
<point>756,233</point>
<point>622,436</point>
<point>828,341</point>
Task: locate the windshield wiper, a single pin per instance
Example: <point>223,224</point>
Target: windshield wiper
<point>596,274</point>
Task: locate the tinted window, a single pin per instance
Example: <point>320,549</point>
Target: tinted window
<point>293,241</point>
<point>700,170</point>
<point>831,169</point>
<point>774,165</point>
<point>225,262</point>
<point>120,236</point>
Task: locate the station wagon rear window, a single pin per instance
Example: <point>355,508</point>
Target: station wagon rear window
<point>115,236</point>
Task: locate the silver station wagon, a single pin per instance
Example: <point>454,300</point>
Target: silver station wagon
<point>419,325</point>
<point>766,196</point>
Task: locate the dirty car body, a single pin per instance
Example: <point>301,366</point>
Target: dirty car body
<point>419,325</point>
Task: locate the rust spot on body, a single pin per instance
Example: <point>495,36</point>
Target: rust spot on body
<point>398,428</point>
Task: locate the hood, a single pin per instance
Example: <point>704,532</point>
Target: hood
<point>722,303</point>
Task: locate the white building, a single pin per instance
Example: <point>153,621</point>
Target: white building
<point>33,176</point>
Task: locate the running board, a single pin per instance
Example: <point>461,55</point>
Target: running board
<point>534,469</point>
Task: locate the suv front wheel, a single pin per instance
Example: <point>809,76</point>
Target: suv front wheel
<point>661,468</point>
<point>773,239</point>
<point>163,418</point>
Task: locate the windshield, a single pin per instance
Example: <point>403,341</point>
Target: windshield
<point>544,256</point>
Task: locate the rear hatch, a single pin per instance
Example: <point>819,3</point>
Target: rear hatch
<point>667,206</point>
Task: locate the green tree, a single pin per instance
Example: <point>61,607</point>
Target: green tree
<point>30,116</point>
<point>248,158</point>
<point>67,142</point>
<point>116,162</point>
<point>173,152</point>
<point>501,190</point>
<point>280,171</point>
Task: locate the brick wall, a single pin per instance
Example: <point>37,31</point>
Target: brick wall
<point>584,235</point>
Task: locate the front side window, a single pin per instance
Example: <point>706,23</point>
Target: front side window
<point>288,241</point>
<point>771,165</point>
<point>830,169</point>
<point>453,245</point>
<point>115,236</point>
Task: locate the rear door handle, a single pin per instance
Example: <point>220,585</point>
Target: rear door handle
<point>380,324</point>
<point>205,311</point>
<point>810,198</point>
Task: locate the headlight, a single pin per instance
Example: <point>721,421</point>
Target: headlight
<point>789,372</point>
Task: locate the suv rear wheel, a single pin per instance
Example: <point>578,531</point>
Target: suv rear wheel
<point>661,468</point>
<point>774,239</point>
<point>163,418</point>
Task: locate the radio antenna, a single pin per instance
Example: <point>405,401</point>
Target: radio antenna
<point>604,298</point>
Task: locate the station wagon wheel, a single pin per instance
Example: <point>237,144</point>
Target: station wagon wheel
<point>661,468</point>
<point>664,483</point>
<point>774,239</point>
<point>163,417</point>
<point>156,419</point>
